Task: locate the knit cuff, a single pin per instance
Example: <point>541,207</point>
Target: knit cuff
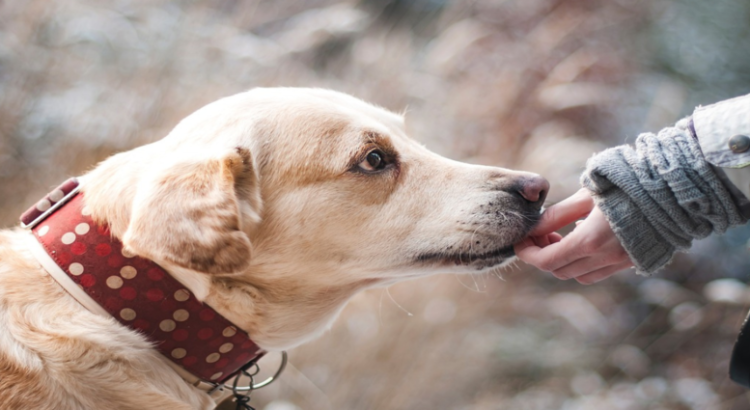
<point>647,249</point>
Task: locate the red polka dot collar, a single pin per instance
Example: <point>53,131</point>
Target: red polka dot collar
<point>137,292</point>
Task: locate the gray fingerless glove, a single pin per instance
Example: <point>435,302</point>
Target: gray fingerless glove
<point>659,195</point>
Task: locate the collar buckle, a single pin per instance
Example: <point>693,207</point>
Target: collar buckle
<point>50,203</point>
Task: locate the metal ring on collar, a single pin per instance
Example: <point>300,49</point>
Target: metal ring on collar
<point>264,383</point>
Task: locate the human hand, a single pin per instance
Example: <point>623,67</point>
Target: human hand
<point>589,254</point>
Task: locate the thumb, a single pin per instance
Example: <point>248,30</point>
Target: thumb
<point>521,246</point>
<point>564,212</point>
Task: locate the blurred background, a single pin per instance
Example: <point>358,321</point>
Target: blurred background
<point>531,84</point>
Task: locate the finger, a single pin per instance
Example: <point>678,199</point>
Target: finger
<point>525,243</point>
<point>552,257</point>
<point>592,263</point>
<point>541,241</point>
<point>578,268</point>
<point>564,212</point>
<point>546,240</point>
<point>601,274</point>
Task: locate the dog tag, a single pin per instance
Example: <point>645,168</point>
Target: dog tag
<point>243,402</point>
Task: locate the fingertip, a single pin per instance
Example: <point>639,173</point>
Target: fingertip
<point>559,276</point>
<point>564,212</point>
<point>525,251</point>
<point>520,246</point>
<point>525,242</point>
<point>547,222</point>
<point>583,281</point>
<point>540,241</point>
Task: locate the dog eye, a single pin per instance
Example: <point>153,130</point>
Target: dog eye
<point>374,161</point>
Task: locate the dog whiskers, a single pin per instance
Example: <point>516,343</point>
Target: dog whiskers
<point>498,273</point>
<point>474,289</point>
<point>388,291</point>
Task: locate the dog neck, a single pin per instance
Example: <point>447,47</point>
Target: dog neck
<point>97,271</point>
<point>280,311</point>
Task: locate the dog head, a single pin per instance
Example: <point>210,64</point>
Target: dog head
<point>286,202</point>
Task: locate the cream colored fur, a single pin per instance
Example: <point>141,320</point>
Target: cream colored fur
<point>256,203</point>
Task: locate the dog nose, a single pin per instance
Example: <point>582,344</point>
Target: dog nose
<point>534,190</point>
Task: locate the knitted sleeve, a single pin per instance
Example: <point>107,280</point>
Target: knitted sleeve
<point>659,195</point>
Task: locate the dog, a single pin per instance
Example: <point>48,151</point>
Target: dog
<point>273,207</point>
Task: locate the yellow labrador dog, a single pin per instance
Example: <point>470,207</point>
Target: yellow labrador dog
<point>273,207</point>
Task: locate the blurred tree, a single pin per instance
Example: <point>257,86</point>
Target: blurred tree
<point>705,44</point>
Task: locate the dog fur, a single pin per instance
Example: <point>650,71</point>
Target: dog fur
<point>265,205</point>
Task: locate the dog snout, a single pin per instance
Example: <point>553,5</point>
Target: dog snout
<point>534,190</point>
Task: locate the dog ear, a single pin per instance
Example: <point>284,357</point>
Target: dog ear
<point>191,213</point>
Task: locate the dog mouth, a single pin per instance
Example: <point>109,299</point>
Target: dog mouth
<point>487,257</point>
<point>479,260</point>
